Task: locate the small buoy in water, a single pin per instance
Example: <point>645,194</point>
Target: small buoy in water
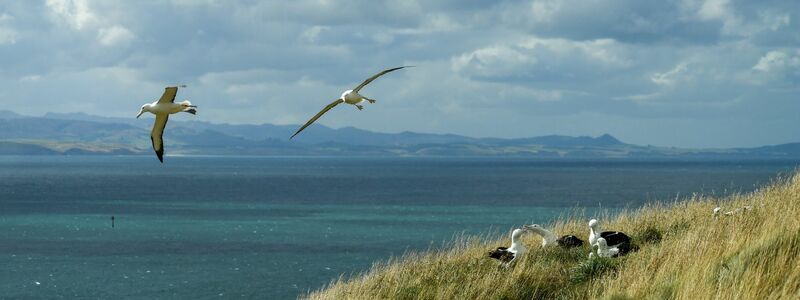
<point>112,221</point>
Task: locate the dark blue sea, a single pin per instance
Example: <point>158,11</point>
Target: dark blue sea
<point>274,228</point>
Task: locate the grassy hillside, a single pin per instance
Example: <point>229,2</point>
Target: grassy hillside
<point>685,254</point>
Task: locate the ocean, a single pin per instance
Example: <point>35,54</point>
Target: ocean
<point>205,227</point>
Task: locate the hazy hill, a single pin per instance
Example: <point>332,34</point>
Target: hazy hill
<point>78,133</point>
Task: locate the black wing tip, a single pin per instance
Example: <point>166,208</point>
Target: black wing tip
<point>401,67</point>
<point>160,155</point>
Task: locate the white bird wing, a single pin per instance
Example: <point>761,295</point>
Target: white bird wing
<point>366,82</point>
<point>319,114</point>
<point>169,95</point>
<point>157,135</point>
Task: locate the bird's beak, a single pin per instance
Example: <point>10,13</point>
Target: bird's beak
<point>195,106</point>
<point>140,113</point>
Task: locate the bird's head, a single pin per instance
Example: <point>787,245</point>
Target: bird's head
<point>142,110</point>
<point>593,223</point>
<point>601,243</point>
<point>532,227</point>
<point>187,104</point>
<point>517,233</point>
<point>716,211</point>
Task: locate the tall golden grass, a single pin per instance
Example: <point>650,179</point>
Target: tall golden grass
<point>754,254</point>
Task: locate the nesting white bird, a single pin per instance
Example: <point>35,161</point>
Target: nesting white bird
<point>350,97</point>
<point>603,250</point>
<point>715,212</point>
<point>517,249</point>
<point>732,212</point>
<point>548,238</point>
<point>162,108</point>
<point>617,239</point>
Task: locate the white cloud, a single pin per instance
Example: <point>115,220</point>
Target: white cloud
<point>639,98</point>
<point>30,78</point>
<point>75,13</point>
<point>8,35</point>
<point>312,33</point>
<point>535,56</point>
<point>669,77</point>
<point>545,11</point>
<point>493,61</point>
<point>777,61</point>
<point>81,17</point>
<point>114,35</point>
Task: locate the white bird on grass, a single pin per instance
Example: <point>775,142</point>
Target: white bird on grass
<point>350,97</point>
<point>603,250</point>
<point>162,109</point>
<point>507,255</point>
<point>733,212</point>
<point>548,238</point>
<point>617,239</point>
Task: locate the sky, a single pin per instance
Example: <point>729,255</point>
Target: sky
<point>685,73</point>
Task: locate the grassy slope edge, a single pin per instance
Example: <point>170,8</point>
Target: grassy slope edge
<point>685,254</point>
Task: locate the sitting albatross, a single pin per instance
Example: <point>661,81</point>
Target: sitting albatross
<point>162,109</point>
<point>349,97</point>
<point>616,239</point>
<point>548,238</point>
<point>509,254</point>
<point>603,250</point>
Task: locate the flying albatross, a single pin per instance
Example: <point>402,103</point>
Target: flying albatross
<point>509,254</point>
<point>349,97</point>
<point>614,239</point>
<point>162,109</point>
<point>548,238</point>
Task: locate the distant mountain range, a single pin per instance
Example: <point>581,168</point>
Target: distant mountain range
<point>78,133</point>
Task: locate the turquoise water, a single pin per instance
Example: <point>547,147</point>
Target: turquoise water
<point>243,227</point>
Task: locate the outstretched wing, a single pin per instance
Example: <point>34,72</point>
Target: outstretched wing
<point>157,135</point>
<point>319,114</point>
<point>169,94</point>
<point>366,82</point>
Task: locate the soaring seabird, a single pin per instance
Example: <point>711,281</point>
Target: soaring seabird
<point>517,249</point>
<point>162,109</point>
<point>603,250</point>
<point>349,97</point>
<point>616,239</point>
<point>548,238</point>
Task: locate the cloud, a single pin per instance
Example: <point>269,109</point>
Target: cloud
<point>81,17</point>
<point>542,58</point>
<point>311,34</point>
<point>8,35</point>
<point>75,13</point>
<point>114,35</point>
<point>30,78</point>
<point>669,77</point>
<point>484,68</point>
<point>778,61</point>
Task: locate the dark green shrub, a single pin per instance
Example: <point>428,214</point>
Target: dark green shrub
<point>650,235</point>
<point>591,269</point>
